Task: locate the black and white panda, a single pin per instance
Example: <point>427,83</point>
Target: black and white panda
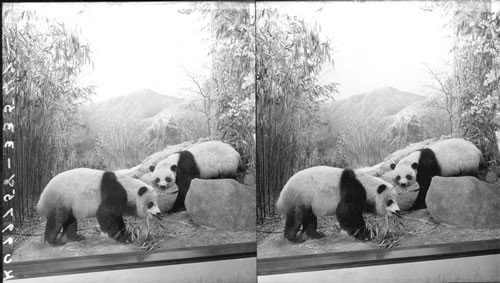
<point>451,157</point>
<point>84,193</point>
<point>324,190</point>
<point>207,160</point>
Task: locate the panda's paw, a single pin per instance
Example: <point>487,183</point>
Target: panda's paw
<point>315,234</point>
<point>296,240</point>
<point>79,238</point>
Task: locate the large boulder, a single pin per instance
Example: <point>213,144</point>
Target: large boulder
<point>464,202</point>
<point>222,203</point>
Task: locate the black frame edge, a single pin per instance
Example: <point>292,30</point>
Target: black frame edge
<point>318,262</point>
<point>140,259</point>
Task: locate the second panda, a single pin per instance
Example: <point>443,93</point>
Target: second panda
<point>324,190</point>
<point>451,157</point>
<point>207,160</point>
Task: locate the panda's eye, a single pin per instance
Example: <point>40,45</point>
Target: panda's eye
<point>173,168</point>
<point>408,177</point>
<point>390,202</point>
<point>150,204</point>
<point>398,178</point>
<point>157,180</point>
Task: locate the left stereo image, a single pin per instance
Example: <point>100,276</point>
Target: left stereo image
<point>129,142</point>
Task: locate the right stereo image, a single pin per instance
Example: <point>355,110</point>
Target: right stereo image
<point>378,135</point>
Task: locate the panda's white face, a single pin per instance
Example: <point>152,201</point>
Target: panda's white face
<point>381,195</point>
<point>405,173</point>
<point>164,173</point>
<point>147,202</point>
<point>386,199</point>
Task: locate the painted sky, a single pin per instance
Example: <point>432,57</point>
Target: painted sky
<point>378,44</point>
<point>375,44</point>
<point>136,45</point>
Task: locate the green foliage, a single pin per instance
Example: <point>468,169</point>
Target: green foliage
<point>290,55</point>
<point>477,75</point>
<point>41,61</point>
<point>229,93</point>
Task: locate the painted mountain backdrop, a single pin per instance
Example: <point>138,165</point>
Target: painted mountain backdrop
<point>385,118</point>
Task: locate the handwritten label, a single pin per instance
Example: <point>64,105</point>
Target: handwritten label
<point>8,129</point>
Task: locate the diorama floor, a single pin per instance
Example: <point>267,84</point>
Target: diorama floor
<point>179,232</point>
<point>418,229</point>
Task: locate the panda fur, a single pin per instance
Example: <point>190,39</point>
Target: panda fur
<point>207,160</point>
<point>84,193</point>
<point>323,190</point>
<point>451,157</point>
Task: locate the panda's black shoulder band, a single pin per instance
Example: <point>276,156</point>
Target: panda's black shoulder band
<point>348,174</point>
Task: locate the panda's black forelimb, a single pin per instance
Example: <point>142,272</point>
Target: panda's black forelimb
<point>112,207</point>
<point>187,170</point>
<point>427,168</point>
<point>349,210</point>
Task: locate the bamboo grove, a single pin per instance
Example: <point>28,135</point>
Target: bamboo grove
<point>290,55</point>
<point>40,64</point>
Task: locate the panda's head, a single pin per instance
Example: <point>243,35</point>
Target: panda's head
<point>386,199</point>
<point>147,202</point>
<point>381,196</point>
<point>405,172</point>
<point>164,173</point>
<point>141,197</point>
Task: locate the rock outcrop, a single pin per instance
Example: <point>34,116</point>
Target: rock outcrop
<point>222,203</point>
<point>464,202</point>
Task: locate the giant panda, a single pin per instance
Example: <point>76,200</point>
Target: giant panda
<point>207,160</point>
<point>324,190</point>
<point>451,157</point>
<point>84,193</point>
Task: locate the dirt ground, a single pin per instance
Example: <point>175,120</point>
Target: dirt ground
<point>418,228</point>
<point>178,232</point>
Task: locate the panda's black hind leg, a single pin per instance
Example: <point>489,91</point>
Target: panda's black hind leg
<point>55,221</point>
<point>70,228</point>
<point>310,225</point>
<point>294,219</point>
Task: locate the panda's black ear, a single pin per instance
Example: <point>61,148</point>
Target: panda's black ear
<point>414,165</point>
<point>393,166</point>
<point>151,168</point>
<point>381,188</point>
<point>142,191</point>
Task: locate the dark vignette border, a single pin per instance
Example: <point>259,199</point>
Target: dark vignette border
<point>318,262</point>
<point>96,263</point>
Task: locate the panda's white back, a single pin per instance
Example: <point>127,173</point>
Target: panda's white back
<point>455,155</point>
<point>214,158</point>
<point>316,186</point>
<point>78,189</point>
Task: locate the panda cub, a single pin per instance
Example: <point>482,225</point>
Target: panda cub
<point>451,157</point>
<point>324,190</point>
<point>207,160</point>
<point>84,193</point>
